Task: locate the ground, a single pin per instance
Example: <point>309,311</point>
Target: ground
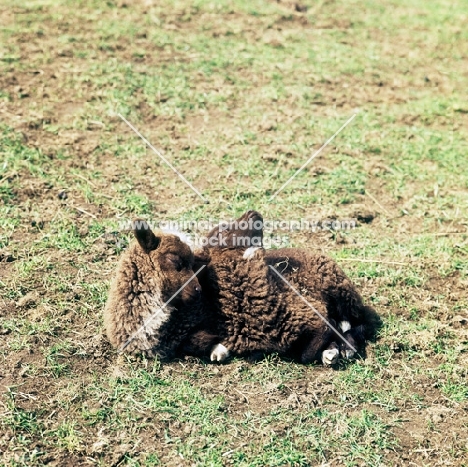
<point>237,95</point>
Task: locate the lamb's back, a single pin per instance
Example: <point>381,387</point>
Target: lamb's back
<point>255,311</point>
<point>318,276</point>
<point>244,305</point>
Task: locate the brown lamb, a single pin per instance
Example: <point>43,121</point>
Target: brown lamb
<point>252,310</point>
<point>150,273</point>
<point>245,308</point>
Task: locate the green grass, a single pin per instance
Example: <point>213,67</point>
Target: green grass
<point>237,95</point>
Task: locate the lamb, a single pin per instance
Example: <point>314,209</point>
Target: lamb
<point>255,310</point>
<point>244,308</point>
<point>149,274</point>
<point>152,272</point>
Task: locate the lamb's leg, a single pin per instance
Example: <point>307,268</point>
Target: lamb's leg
<point>199,344</point>
<point>219,353</point>
<point>330,354</point>
<point>202,343</point>
<point>319,339</point>
<point>312,350</point>
<point>354,338</point>
<point>344,326</point>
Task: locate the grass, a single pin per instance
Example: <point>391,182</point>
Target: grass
<point>237,95</point>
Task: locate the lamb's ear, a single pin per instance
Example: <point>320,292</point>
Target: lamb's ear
<point>145,236</point>
<point>201,256</point>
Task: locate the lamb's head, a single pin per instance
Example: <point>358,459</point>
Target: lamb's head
<point>154,299</point>
<point>168,264</point>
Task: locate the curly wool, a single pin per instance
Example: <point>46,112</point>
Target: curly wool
<point>135,316</point>
<point>255,311</point>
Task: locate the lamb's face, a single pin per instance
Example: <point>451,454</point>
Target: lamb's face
<point>175,260</point>
<point>172,263</point>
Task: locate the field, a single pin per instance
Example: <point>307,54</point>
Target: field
<point>237,96</point>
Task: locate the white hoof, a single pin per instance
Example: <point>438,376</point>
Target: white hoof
<point>219,353</point>
<point>348,354</point>
<point>250,252</point>
<point>344,326</point>
<point>330,356</point>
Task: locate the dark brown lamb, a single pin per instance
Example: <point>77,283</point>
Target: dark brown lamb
<point>253,309</point>
<point>245,308</point>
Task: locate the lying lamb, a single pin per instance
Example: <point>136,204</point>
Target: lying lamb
<point>150,273</point>
<point>245,308</point>
<point>254,310</point>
